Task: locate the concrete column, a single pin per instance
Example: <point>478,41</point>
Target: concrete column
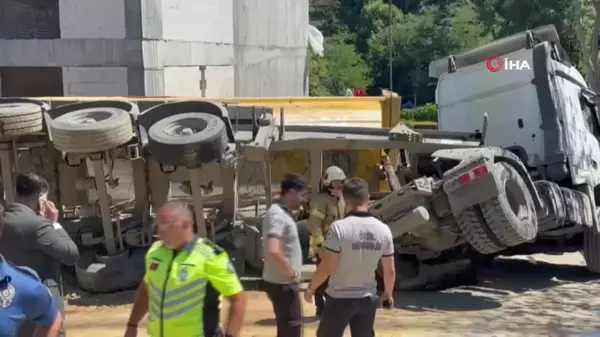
<point>144,22</point>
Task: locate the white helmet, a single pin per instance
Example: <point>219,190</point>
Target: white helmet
<point>333,173</point>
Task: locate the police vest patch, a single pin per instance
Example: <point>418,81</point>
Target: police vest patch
<point>183,275</point>
<point>7,295</point>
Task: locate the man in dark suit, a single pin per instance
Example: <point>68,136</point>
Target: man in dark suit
<point>33,237</point>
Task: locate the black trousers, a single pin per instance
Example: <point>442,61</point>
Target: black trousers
<point>320,294</point>
<point>359,313</point>
<point>212,312</point>
<point>287,307</point>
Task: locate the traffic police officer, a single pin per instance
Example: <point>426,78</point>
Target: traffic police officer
<point>326,208</point>
<point>179,268</point>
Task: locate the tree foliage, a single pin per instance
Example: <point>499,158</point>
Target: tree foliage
<point>420,31</point>
<point>340,68</point>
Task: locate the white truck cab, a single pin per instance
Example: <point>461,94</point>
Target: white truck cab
<point>538,104</point>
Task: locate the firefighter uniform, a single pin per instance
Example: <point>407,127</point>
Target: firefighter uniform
<point>179,282</point>
<point>324,210</point>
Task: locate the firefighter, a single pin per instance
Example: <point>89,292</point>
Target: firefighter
<point>327,207</point>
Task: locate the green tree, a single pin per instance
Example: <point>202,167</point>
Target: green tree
<point>340,68</point>
<point>506,17</point>
<point>587,27</point>
<point>325,15</point>
<point>418,39</point>
<point>374,17</point>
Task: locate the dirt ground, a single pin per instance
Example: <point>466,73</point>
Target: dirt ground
<point>536,296</point>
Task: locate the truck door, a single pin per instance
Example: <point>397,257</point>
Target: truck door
<point>589,110</point>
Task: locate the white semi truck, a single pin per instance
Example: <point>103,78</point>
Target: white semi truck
<point>532,187</point>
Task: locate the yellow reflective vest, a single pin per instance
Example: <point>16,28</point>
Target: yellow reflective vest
<point>177,283</point>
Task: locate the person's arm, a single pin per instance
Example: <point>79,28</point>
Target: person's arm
<point>53,240</point>
<point>41,309</point>
<point>275,227</point>
<point>329,259</point>
<point>316,217</point>
<point>140,305</point>
<point>141,302</point>
<point>222,276</point>
<point>388,265</point>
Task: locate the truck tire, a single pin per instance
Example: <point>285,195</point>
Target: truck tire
<point>19,119</point>
<point>416,275</point>
<point>91,130</point>
<point>477,233</point>
<point>579,208</point>
<point>511,215</point>
<point>187,139</point>
<point>554,211</point>
<point>504,221</point>
<point>106,275</point>
<point>591,247</point>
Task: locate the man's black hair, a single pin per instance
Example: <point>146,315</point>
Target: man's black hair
<point>30,184</point>
<point>293,181</point>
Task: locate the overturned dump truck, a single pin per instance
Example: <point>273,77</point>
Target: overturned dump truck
<point>533,185</point>
<point>512,170</point>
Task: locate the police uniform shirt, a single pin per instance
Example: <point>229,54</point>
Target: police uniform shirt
<point>23,298</point>
<point>218,271</point>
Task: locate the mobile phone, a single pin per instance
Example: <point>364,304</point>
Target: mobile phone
<point>42,200</point>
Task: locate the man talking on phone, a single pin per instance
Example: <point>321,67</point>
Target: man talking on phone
<point>33,237</point>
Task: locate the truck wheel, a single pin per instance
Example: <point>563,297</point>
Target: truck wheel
<point>412,274</point>
<point>91,130</point>
<point>106,275</point>
<point>511,215</point>
<point>579,208</point>
<point>476,231</point>
<point>555,210</point>
<point>591,247</point>
<point>407,270</point>
<point>18,119</point>
<point>187,139</point>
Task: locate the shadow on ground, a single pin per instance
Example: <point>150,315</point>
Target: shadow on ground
<point>272,322</point>
<point>504,278</point>
<point>78,297</point>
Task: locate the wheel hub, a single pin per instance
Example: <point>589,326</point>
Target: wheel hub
<point>90,117</point>
<point>185,127</point>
